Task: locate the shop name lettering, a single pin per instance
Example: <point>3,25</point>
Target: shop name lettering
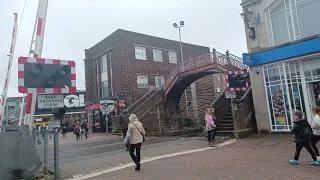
<point>51,101</point>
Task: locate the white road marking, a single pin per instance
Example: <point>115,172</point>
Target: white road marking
<point>113,169</point>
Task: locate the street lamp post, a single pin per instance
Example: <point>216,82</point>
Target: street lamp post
<point>175,25</point>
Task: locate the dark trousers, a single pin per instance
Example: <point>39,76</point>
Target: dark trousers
<point>86,133</point>
<point>135,157</point>
<point>307,145</point>
<point>124,133</point>
<point>314,141</point>
<point>78,135</point>
<point>211,135</point>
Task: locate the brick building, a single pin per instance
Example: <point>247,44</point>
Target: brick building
<point>127,63</point>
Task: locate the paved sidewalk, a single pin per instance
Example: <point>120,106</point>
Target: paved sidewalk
<point>262,157</point>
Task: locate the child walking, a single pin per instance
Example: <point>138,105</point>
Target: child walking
<point>302,135</point>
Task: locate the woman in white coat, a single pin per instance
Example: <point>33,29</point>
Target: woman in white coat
<point>136,133</point>
<point>315,125</point>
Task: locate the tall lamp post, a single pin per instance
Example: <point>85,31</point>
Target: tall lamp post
<point>175,25</point>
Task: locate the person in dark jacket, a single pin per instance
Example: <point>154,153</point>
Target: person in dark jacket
<point>84,127</point>
<point>302,135</point>
<point>124,121</point>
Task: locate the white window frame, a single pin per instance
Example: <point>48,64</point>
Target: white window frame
<point>104,63</point>
<point>140,53</point>
<point>290,10</point>
<point>157,55</point>
<point>173,61</point>
<point>145,84</point>
<point>159,85</point>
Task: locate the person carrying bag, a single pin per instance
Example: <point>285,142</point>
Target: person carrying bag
<point>136,133</point>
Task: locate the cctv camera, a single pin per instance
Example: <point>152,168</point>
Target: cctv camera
<point>257,71</point>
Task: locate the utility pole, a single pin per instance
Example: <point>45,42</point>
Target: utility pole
<point>175,25</point>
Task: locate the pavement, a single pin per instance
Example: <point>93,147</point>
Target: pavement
<point>260,157</point>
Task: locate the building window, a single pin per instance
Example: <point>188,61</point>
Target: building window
<point>159,81</point>
<point>173,58</point>
<point>141,53</point>
<point>105,90</point>
<point>223,78</point>
<point>284,93</point>
<point>142,81</point>
<point>157,55</point>
<point>104,63</point>
<point>289,20</point>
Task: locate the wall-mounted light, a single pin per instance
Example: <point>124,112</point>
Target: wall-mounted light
<point>247,16</point>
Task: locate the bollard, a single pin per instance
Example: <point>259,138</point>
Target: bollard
<point>56,154</point>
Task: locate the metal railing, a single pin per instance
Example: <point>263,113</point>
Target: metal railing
<point>23,152</point>
<point>228,60</point>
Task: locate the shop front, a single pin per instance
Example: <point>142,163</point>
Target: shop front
<point>291,82</point>
<point>94,116</point>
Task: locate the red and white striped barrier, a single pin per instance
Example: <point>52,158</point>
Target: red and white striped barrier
<point>6,84</point>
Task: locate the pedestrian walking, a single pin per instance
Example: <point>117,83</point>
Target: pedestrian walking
<point>84,127</point>
<point>64,129</point>
<point>302,135</point>
<point>210,126</point>
<point>315,125</point>
<point>109,123</point>
<point>77,130</point>
<point>136,133</point>
<point>124,121</point>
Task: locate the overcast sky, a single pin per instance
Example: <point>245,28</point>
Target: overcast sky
<point>75,25</point>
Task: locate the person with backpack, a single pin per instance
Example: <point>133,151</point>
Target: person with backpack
<point>302,136</point>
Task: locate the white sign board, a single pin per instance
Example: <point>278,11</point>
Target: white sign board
<point>53,124</point>
<point>230,94</point>
<point>74,101</point>
<point>50,101</point>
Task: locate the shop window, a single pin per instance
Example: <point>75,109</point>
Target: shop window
<point>284,94</point>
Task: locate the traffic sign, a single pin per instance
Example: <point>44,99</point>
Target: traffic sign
<point>230,94</point>
<point>46,76</point>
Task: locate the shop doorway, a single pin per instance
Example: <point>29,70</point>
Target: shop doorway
<point>314,94</point>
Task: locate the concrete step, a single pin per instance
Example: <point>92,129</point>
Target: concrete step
<point>225,133</point>
<point>226,124</point>
<point>222,128</point>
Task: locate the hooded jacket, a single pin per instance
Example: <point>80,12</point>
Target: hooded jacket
<point>302,130</point>
<point>124,119</point>
<point>133,133</point>
<point>315,125</point>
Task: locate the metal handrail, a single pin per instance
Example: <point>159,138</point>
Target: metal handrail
<point>238,101</point>
<point>139,100</point>
<point>141,104</point>
<point>219,99</point>
<point>204,60</point>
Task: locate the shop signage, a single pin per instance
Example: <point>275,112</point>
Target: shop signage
<point>73,100</point>
<point>93,107</point>
<point>50,101</point>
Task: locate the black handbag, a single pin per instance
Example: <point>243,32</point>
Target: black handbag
<point>143,139</point>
